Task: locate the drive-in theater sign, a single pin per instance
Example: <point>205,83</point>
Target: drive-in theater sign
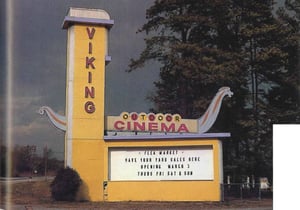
<point>132,156</point>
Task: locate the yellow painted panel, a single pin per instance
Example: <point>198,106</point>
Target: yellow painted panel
<point>167,190</point>
<point>81,73</point>
<point>80,62</point>
<point>79,109</point>
<point>164,191</point>
<point>87,129</point>
<point>98,41</point>
<point>88,149</point>
<point>90,158</point>
<point>88,125</point>
<point>88,161</point>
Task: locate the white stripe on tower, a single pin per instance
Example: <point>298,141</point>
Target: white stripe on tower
<point>70,76</point>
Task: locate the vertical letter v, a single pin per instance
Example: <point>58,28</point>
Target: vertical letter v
<point>90,33</point>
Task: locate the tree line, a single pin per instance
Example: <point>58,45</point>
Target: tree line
<point>26,161</point>
<point>202,45</point>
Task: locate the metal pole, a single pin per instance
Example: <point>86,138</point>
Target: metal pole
<point>46,160</point>
<point>241,191</point>
<point>259,193</point>
<point>222,193</point>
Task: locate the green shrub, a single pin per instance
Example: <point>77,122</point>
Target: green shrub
<point>65,185</point>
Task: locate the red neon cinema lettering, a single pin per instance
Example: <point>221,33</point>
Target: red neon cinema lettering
<point>139,126</point>
<point>182,128</point>
<point>165,128</point>
<point>119,125</point>
<point>153,126</point>
<point>150,122</point>
<point>128,126</point>
<point>150,126</point>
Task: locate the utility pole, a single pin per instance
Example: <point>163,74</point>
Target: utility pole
<point>46,160</point>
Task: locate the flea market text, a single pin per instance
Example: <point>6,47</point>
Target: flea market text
<point>162,164</point>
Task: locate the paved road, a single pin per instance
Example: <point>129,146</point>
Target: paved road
<point>24,179</point>
<point>38,207</point>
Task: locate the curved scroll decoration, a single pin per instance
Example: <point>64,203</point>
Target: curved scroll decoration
<point>58,120</point>
<point>209,117</point>
<point>205,122</point>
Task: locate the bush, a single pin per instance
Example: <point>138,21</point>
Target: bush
<point>65,185</point>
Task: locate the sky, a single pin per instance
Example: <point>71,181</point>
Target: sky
<point>39,65</point>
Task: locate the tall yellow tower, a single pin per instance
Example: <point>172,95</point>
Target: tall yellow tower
<point>87,55</point>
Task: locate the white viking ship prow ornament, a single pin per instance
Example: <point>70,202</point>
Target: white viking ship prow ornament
<point>58,120</point>
<point>208,119</point>
<point>205,122</point>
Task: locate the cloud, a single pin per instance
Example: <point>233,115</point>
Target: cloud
<point>39,133</point>
<point>40,64</point>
